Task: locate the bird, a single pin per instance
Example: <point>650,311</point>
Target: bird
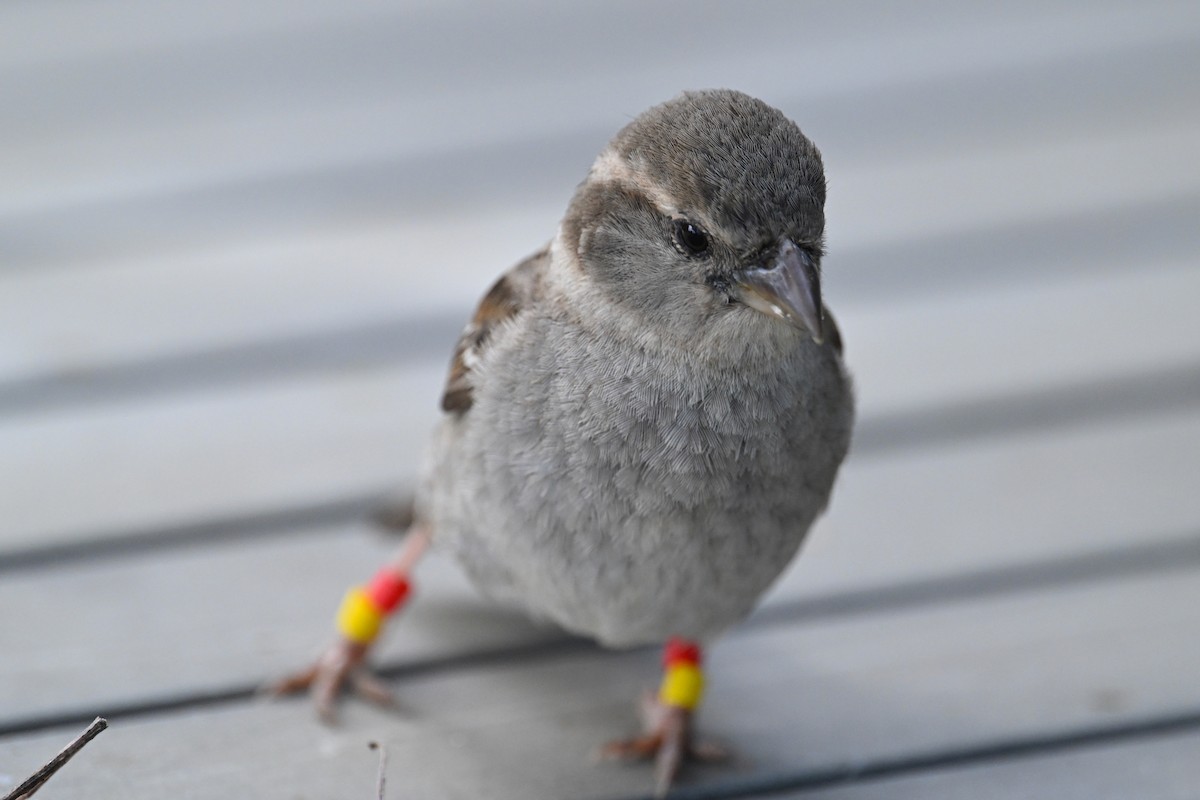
<point>642,420</point>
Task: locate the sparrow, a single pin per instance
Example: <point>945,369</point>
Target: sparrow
<point>642,419</point>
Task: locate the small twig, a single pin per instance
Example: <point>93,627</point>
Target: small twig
<point>35,781</point>
<point>382,764</point>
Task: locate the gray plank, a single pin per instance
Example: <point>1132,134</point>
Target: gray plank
<point>313,305</point>
<point>305,438</point>
<point>793,699</point>
<point>989,341</point>
<point>949,510</point>
<point>976,176</point>
<point>979,179</point>
<point>354,89</point>
<point>325,280</point>
<point>211,454</point>
<point>919,523</point>
<point>63,488</point>
<point>1157,768</point>
<point>74,31</point>
<point>538,167</point>
<point>206,618</point>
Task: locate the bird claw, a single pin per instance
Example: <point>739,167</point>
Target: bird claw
<point>340,665</point>
<point>367,684</point>
<point>668,739</point>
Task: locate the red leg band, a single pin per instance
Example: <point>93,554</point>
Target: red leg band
<point>387,591</point>
<point>680,651</point>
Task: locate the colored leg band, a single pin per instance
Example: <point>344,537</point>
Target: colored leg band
<point>683,680</point>
<point>679,651</point>
<point>364,608</point>
<point>387,590</point>
<point>682,686</point>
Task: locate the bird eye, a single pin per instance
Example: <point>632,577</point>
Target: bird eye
<point>690,238</point>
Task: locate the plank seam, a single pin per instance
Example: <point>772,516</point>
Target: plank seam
<point>1179,554</point>
<point>324,517</point>
<point>999,750</point>
<point>1158,392</point>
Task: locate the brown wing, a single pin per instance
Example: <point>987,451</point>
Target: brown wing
<point>507,297</point>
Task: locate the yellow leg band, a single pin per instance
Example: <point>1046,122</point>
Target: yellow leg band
<point>358,619</point>
<point>682,686</point>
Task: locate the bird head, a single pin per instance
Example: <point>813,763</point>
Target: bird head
<point>703,207</point>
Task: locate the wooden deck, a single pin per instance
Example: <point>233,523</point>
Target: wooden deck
<point>226,306</point>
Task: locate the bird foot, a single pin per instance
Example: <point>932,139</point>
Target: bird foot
<point>339,667</point>
<point>668,739</point>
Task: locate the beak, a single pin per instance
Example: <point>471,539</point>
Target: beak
<point>789,288</point>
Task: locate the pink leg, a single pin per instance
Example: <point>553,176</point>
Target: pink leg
<point>342,660</point>
<point>668,719</point>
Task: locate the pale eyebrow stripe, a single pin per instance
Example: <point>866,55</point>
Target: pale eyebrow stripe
<point>610,167</point>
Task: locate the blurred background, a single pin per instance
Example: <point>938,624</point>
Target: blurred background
<point>238,241</point>
<point>218,220</point>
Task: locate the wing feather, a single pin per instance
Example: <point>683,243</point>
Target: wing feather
<point>512,293</point>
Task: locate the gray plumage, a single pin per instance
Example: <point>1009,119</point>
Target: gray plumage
<point>635,444</point>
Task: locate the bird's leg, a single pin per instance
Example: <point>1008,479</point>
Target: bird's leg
<point>668,719</point>
<point>359,621</point>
